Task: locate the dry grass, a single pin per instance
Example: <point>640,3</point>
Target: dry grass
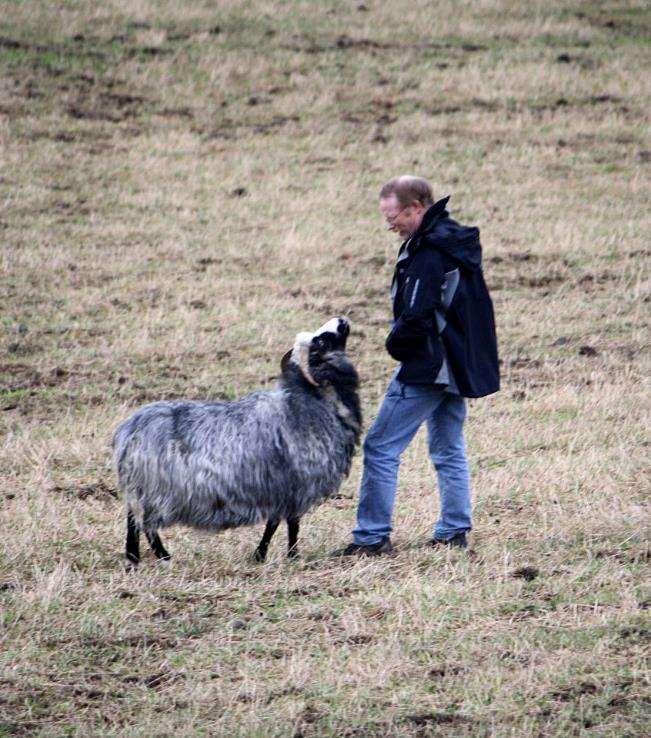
<point>182,188</point>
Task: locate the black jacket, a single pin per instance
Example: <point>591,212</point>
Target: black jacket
<point>442,310</point>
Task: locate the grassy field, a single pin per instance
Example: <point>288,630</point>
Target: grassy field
<point>183,187</point>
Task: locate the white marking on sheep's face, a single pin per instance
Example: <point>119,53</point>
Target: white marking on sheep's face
<point>312,349</point>
<point>331,336</point>
<point>303,339</point>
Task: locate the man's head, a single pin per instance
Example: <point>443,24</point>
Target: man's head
<point>403,203</point>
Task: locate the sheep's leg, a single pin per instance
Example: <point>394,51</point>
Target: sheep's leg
<point>157,545</point>
<point>292,537</point>
<point>133,541</point>
<point>261,551</point>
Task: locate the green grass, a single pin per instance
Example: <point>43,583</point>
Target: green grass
<point>133,271</point>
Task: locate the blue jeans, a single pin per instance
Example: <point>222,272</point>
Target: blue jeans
<point>403,411</point>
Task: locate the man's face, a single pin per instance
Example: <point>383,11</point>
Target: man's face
<point>403,220</point>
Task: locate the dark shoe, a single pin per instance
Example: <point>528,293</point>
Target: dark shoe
<point>457,541</point>
<point>374,549</point>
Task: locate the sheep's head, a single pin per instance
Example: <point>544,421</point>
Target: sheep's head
<point>312,350</point>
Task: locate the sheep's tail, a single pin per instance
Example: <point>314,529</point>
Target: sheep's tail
<point>121,443</point>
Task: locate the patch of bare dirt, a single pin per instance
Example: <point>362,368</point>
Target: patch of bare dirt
<point>232,130</point>
<point>437,718</point>
<point>592,282</point>
<point>514,256</point>
<point>524,280</point>
<point>98,490</point>
<point>458,108</point>
<point>584,62</point>
<point>23,376</point>
<point>208,261</point>
<point>134,51</point>
<point>63,136</point>
<point>83,96</point>
<point>13,109</point>
<point>181,112</point>
<point>344,42</point>
<point>113,107</point>
<point>574,691</point>
<point>631,27</point>
<point>359,639</point>
<point>616,102</point>
<point>12,43</point>
<point>524,362</point>
<point>528,573</point>
<point>633,556</point>
<point>153,681</point>
<point>149,640</point>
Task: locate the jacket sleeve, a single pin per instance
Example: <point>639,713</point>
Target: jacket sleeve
<point>422,295</point>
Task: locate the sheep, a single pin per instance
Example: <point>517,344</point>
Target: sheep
<point>269,456</point>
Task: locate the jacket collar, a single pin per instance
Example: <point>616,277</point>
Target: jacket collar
<point>433,214</point>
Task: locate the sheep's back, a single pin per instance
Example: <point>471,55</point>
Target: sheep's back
<point>224,464</point>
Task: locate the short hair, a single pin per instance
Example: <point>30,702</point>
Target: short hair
<point>408,188</point>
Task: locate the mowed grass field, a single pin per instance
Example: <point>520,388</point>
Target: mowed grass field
<point>183,187</point>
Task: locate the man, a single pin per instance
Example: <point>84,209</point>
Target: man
<point>443,335</point>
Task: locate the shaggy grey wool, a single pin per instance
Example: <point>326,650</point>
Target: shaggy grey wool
<point>271,454</point>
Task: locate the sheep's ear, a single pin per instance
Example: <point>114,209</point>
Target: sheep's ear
<point>284,362</point>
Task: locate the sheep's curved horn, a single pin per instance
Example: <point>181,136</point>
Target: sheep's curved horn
<point>285,361</point>
<point>301,355</point>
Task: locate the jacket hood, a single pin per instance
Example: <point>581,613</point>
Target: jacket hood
<point>459,242</point>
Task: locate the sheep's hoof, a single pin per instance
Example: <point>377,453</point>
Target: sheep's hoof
<point>259,556</point>
<point>292,553</point>
<point>130,565</point>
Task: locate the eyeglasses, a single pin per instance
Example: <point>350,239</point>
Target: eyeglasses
<point>391,219</point>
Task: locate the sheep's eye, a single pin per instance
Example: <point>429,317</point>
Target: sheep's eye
<point>320,342</point>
